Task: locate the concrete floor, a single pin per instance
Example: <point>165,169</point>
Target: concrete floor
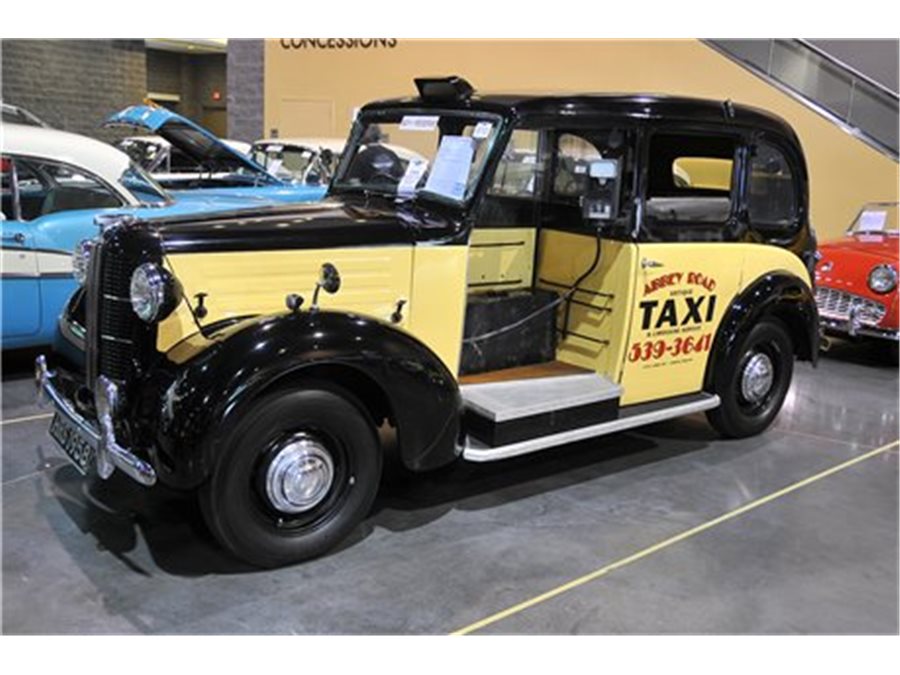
<point>444,550</point>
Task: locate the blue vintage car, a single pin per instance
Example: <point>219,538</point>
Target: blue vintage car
<point>217,167</point>
<point>54,185</point>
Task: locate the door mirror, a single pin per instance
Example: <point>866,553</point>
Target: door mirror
<point>330,279</point>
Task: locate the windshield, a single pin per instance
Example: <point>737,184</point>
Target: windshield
<point>876,218</point>
<point>410,155</point>
<point>146,190</point>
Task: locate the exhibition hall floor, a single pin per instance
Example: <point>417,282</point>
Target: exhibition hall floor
<point>668,529</point>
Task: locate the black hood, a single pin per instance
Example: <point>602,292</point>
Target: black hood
<point>331,223</point>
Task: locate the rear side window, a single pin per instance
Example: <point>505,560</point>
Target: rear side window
<point>772,195</point>
<point>690,180</point>
<point>50,187</point>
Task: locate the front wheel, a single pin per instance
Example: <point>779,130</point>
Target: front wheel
<point>753,382</point>
<point>298,474</point>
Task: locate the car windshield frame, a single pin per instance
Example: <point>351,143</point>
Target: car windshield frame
<point>891,226</point>
<point>151,184</point>
<point>394,116</point>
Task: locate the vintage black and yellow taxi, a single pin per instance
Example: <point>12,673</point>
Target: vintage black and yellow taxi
<point>490,276</point>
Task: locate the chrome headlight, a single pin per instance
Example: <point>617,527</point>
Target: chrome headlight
<point>154,292</point>
<point>883,279</point>
<point>80,259</point>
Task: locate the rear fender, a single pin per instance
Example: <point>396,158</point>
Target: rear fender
<point>780,295</point>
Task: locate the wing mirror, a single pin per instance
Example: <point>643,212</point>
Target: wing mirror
<point>329,281</point>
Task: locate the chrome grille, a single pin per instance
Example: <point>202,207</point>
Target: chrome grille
<point>835,304</point>
<point>111,351</point>
<point>116,318</point>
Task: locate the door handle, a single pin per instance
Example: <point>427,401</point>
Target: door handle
<point>17,238</point>
<point>646,263</point>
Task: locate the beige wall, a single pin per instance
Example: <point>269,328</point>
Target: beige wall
<point>314,91</point>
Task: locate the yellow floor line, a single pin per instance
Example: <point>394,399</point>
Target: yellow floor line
<point>30,418</point>
<point>655,548</point>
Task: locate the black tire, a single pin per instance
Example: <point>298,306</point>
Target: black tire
<point>738,416</point>
<point>235,501</point>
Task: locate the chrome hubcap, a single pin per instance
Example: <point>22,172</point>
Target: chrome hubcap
<point>757,378</point>
<point>300,475</point>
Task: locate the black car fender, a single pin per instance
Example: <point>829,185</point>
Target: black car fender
<point>782,295</point>
<point>386,370</point>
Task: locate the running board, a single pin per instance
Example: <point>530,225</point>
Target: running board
<point>640,415</point>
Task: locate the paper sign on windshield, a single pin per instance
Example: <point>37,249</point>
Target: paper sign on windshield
<point>419,122</point>
<point>482,130</point>
<point>450,173</point>
<point>872,221</point>
<point>414,172</point>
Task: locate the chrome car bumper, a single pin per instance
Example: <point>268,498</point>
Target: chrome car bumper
<point>852,329</point>
<point>109,455</point>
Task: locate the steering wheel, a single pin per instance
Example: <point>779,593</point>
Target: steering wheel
<point>382,177</point>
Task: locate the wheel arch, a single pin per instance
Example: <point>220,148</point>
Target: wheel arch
<point>390,373</point>
<point>780,295</point>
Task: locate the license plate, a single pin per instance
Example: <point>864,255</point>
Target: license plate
<point>71,439</point>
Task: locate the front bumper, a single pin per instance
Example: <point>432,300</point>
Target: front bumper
<point>99,434</point>
<point>853,329</point>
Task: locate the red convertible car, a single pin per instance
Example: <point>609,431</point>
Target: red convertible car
<point>856,277</point>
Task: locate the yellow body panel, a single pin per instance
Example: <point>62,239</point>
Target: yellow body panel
<point>602,326</point>
<point>241,283</point>
<point>438,306</point>
<point>432,281</point>
<point>501,259</point>
<point>678,307</point>
<point>648,327</point>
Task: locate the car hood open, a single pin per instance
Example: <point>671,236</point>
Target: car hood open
<point>193,140</point>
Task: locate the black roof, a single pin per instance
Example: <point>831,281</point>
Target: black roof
<point>638,106</point>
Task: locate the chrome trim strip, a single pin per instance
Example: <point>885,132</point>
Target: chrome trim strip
<point>109,452</point>
<point>113,338</point>
<point>475,451</point>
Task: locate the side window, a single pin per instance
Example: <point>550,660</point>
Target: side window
<point>573,157</point>
<point>50,187</point>
<point>593,179</point>
<point>689,187</point>
<point>8,189</point>
<point>517,172</point>
<point>511,199</point>
<point>772,194</point>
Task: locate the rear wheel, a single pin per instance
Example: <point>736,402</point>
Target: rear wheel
<point>753,382</point>
<point>298,474</point>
